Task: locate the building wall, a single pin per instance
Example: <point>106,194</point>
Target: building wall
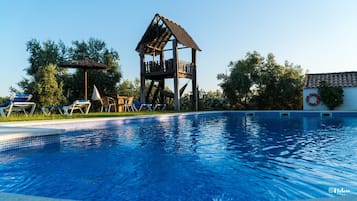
<point>349,102</point>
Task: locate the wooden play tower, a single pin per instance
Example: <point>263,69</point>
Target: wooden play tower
<point>156,67</point>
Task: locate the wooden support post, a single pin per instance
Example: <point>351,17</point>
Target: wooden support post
<point>85,84</point>
<point>194,81</point>
<point>142,74</point>
<point>176,76</point>
<point>149,91</point>
<point>162,87</point>
<point>162,81</point>
<point>162,61</point>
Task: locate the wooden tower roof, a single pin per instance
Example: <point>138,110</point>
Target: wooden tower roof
<point>159,32</point>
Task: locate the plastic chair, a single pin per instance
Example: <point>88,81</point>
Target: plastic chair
<point>129,105</point>
<point>107,104</point>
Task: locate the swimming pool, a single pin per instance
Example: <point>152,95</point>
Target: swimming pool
<point>216,156</point>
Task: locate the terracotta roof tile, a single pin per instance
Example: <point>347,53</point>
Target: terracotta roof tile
<point>342,79</point>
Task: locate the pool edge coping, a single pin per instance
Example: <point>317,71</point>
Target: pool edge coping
<point>101,119</point>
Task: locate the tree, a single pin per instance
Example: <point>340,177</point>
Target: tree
<point>49,52</point>
<point>212,100</point>
<point>3,100</point>
<point>126,88</point>
<point>279,87</point>
<point>256,82</point>
<point>48,90</point>
<point>41,56</point>
<point>238,86</point>
<point>332,96</point>
<point>106,81</point>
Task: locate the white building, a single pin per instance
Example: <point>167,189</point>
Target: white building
<point>346,80</point>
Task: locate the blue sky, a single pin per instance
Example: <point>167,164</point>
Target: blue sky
<point>319,35</point>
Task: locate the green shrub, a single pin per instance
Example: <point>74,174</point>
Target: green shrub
<point>331,96</point>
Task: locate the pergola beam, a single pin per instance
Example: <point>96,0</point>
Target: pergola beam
<point>179,48</point>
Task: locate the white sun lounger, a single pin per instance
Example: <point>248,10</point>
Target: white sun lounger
<point>18,103</point>
<point>82,105</point>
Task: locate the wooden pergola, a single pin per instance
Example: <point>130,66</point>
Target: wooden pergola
<point>160,32</point>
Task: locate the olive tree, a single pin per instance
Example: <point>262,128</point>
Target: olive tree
<point>256,82</point>
<point>42,55</point>
<point>49,53</point>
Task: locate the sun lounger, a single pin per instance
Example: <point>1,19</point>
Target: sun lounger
<point>160,106</point>
<point>129,106</point>
<point>81,105</point>
<point>47,110</point>
<point>18,103</point>
<point>146,106</point>
<point>149,106</point>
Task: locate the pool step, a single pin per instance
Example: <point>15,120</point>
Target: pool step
<point>18,197</point>
<point>21,137</point>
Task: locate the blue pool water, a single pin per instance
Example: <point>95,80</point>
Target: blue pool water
<point>223,157</point>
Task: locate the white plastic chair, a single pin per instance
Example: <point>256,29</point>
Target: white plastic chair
<point>107,104</point>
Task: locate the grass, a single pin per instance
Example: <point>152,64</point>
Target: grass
<point>22,117</point>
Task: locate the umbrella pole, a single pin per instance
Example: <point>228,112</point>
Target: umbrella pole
<point>85,83</point>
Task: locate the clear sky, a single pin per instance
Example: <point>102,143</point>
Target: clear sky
<point>319,35</point>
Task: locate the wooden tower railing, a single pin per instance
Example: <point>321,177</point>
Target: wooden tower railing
<point>155,68</point>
